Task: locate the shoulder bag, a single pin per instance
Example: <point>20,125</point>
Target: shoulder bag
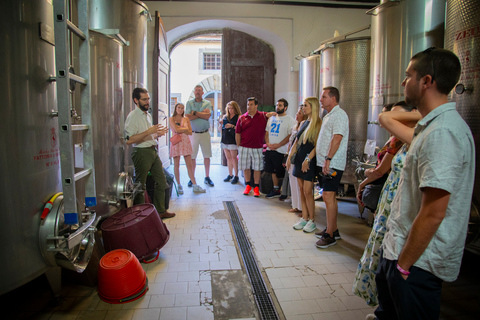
<point>176,138</point>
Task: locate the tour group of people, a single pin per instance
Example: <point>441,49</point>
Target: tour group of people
<point>426,171</point>
<point>297,151</point>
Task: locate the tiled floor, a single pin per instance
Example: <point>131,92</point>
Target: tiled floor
<point>308,283</point>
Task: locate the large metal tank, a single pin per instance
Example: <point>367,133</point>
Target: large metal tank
<point>309,77</point>
<point>126,19</point>
<point>345,64</point>
<point>462,36</point>
<point>106,74</point>
<point>400,28</point>
<point>30,163</point>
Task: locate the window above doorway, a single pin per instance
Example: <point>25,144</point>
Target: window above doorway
<point>210,61</point>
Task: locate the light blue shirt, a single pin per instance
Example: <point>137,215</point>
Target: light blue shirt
<point>199,124</point>
<point>334,122</point>
<point>442,156</point>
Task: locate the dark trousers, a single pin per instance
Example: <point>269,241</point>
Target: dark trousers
<point>145,160</point>
<point>418,297</point>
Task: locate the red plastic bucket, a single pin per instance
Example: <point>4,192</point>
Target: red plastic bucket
<point>121,277</point>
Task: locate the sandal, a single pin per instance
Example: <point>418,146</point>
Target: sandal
<point>295,210</point>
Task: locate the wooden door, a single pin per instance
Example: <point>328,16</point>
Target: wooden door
<point>160,101</point>
<point>248,69</point>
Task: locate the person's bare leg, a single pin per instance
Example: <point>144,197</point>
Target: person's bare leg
<point>275,180</point>
<point>309,199</point>
<point>256,176</point>
<point>194,164</point>
<point>233,154</point>
<point>329,197</point>
<point>188,164</point>
<point>248,175</point>
<point>228,155</point>
<point>176,169</point>
<point>302,199</point>
<point>206,162</point>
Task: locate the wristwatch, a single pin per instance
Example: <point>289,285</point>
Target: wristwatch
<point>327,158</point>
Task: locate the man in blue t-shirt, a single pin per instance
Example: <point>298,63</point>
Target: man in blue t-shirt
<point>198,111</point>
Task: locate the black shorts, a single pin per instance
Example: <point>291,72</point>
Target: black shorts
<point>329,183</point>
<point>273,163</point>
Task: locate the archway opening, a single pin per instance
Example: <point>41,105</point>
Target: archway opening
<point>198,61</point>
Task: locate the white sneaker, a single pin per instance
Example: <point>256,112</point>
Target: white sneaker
<point>310,226</point>
<point>198,189</point>
<point>300,224</point>
<point>180,189</point>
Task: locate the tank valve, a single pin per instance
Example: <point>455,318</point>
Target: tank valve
<point>460,89</point>
<point>373,122</point>
<point>114,203</point>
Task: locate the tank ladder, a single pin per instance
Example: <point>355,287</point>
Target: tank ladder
<point>64,29</point>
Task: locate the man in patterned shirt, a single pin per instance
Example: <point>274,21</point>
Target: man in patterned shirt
<point>428,223</point>
<point>331,150</point>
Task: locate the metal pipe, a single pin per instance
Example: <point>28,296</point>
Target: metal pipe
<point>338,38</point>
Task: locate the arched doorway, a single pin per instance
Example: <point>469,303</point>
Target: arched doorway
<point>247,69</point>
<point>212,89</point>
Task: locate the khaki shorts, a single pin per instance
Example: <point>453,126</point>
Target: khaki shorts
<point>202,140</point>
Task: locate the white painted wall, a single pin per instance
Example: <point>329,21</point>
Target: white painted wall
<point>290,30</point>
<point>185,64</point>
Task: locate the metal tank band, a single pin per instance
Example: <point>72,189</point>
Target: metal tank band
<point>400,29</point>
<point>345,64</point>
<point>30,165</point>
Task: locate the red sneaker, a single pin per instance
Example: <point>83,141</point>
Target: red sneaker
<point>256,192</point>
<point>248,188</point>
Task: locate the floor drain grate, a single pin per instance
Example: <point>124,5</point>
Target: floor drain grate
<point>260,292</point>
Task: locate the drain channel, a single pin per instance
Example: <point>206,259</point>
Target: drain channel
<point>260,292</point>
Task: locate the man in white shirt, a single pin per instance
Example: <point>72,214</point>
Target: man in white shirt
<point>277,136</point>
<point>140,132</point>
<point>331,150</point>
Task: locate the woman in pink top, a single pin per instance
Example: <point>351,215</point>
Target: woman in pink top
<point>180,125</point>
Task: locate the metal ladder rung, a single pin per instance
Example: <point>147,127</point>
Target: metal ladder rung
<point>82,174</point>
<point>76,78</point>
<point>79,33</point>
<point>80,127</point>
<point>65,32</point>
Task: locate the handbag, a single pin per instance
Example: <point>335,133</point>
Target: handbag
<point>370,196</point>
<point>175,139</point>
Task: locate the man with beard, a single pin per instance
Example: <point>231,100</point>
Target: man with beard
<point>140,132</point>
<point>427,227</point>
<point>277,136</point>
